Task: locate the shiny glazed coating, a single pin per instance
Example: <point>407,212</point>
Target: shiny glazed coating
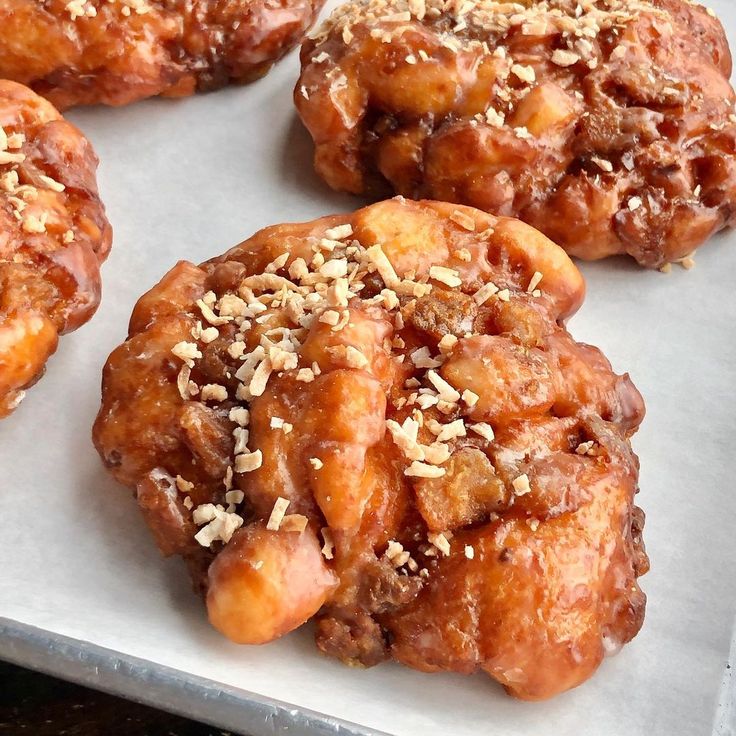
<point>118,51</point>
<point>607,124</point>
<point>378,420</point>
<point>53,236</point>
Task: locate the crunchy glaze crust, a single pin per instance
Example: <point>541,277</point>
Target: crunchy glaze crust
<point>53,236</point>
<point>119,51</point>
<point>611,129</point>
<point>402,378</point>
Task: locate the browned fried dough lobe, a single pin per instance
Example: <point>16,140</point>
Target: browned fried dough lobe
<point>379,420</point>
<point>607,124</point>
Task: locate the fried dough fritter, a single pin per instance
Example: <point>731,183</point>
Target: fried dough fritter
<point>53,236</point>
<point>607,124</point>
<point>118,51</point>
<point>379,420</point>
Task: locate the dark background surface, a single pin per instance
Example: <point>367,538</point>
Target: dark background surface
<point>32,704</point>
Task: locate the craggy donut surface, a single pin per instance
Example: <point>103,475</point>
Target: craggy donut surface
<point>53,236</point>
<point>118,51</point>
<point>607,124</point>
<point>379,420</point>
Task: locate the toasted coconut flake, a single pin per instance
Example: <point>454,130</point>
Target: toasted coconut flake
<point>534,282</point>
<point>483,429</point>
<point>328,548</point>
<point>470,397</point>
<point>485,293</point>
<point>213,392</point>
<point>564,57</point>
<point>247,462</point>
<point>385,269</point>
<point>339,232</point>
<point>423,470</point>
<point>464,220</point>
<point>444,389</point>
<point>447,276</point>
<point>521,485</point>
<point>422,358</point>
<point>277,514</point>
<point>187,351</point>
<point>184,486</point>
<point>240,415</point>
<point>440,541</point>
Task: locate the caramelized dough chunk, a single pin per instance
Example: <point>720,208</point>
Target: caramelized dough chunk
<point>609,125</point>
<point>53,236</point>
<point>113,52</point>
<point>379,420</point>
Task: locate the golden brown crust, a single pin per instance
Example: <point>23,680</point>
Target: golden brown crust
<point>118,51</point>
<point>53,236</point>
<point>336,385</point>
<point>612,129</point>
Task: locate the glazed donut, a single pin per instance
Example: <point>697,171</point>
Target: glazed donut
<point>607,124</point>
<point>84,52</point>
<point>53,236</point>
<point>379,420</point>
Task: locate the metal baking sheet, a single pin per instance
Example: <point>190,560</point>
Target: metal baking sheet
<point>85,595</point>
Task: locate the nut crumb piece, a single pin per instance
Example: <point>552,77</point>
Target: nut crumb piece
<point>213,392</point>
<point>277,514</point>
<point>521,485</point>
<point>422,470</point>
<point>469,552</point>
<point>187,351</point>
<point>464,220</point>
<point>483,429</point>
<point>316,463</point>
<point>184,486</point>
<point>447,276</point>
<point>440,541</point>
<point>247,462</point>
<point>534,282</point>
<point>329,546</point>
<point>485,293</point>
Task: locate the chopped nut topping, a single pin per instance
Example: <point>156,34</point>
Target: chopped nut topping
<point>248,462</point>
<point>465,221</point>
<point>482,429</point>
<point>277,514</point>
<point>563,57</point>
<point>184,485</point>
<point>521,485</point>
<point>446,275</point>
<point>328,548</point>
<point>187,351</point>
<point>534,282</point>
<point>440,541</point>
<point>213,392</point>
<point>422,470</point>
<point>485,293</point>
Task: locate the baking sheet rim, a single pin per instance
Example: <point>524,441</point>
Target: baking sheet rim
<point>164,687</point>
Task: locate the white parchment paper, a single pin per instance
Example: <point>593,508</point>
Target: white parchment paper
<point>188,179</point>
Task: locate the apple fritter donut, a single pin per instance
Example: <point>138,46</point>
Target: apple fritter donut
<point>607,124</point>
<point>379,420</point>
<point>53,236</point>
<point>83,52</point>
